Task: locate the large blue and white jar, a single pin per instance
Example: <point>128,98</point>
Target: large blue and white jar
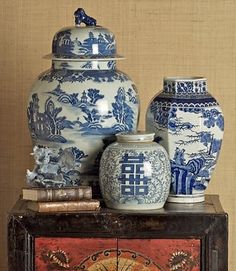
<point>78,105</point>
<point>135,173</point>
<point>189,123</point>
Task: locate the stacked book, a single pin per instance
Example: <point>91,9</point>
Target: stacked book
<point>71,199</point>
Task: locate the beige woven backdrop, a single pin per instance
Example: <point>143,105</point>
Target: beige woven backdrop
<point>159,38</point>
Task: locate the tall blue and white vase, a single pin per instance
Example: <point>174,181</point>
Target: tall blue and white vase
<point>78,105</point>
<point>189,123</point>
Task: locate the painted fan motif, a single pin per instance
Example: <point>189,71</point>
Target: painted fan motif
<point>127,261</point>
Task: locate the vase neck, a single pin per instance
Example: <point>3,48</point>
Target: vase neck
<point>84,65</point>
<point>138,136</point>
<point>184,85</point>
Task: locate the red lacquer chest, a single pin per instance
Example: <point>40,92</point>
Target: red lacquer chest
<point>178,237</point>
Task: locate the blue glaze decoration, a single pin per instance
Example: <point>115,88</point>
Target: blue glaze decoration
<point>105,42</point>
<point>64,45</point>
<point>83,99</point>
<point>47,125</point>
<point>105,76</point>
<point>166,117</point>
<point>135,173</point>
<point>183,100</point>
<point>88,65</point>
<point>58,167</point>
<point>213,117</point>
<point>185,174</point>
<point>63,76</point>
<point>189,123</point>
<point>133,182</point>
<point>122,112</point>
<point>185,87</point>
<point>92,121</point>
<point>111,65</point>
<point>82,17</point>
<point>88,97</point>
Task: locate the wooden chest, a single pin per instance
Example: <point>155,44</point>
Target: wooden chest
<point>178,237</point>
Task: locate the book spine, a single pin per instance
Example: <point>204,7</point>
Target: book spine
<point>69,206</point>
<point>70,194</point>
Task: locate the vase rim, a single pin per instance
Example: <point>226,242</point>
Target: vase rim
<point>135,136</point>
<point>184,78</point>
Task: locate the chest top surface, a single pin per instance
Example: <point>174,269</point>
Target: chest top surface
<point>211,206</point>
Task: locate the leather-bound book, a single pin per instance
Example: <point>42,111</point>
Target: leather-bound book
<point>57,194</point>
<point>64,206</point>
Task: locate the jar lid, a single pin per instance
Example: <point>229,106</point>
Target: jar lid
<point>137,136</point>
<point>81,43</point>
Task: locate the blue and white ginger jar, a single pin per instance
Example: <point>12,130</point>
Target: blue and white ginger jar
<point>189,123</point>
<point>135,173</point>
<point>78,104</point>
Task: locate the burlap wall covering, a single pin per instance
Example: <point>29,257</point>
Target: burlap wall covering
<point>158,38</point>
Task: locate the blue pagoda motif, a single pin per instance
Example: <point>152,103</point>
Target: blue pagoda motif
<point>47,125</point>
<point>105,45</point>
<point>62,44</point>
<point>92,121</point>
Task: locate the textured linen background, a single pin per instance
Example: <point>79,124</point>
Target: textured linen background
<point>159,38</point>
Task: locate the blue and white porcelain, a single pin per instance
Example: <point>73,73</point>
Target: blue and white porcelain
<point>80,103</point>
<point>189,123</point>
<point>135,173</point>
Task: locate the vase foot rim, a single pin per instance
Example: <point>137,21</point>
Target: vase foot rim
<point>186,198</point>
<point>138,207</point>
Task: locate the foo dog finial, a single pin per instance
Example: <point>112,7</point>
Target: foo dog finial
<point>82,17</point>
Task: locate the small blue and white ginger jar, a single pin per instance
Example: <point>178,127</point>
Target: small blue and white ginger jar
<point>78,104</point>
<point>189,123</point>
<point>135,173</point>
